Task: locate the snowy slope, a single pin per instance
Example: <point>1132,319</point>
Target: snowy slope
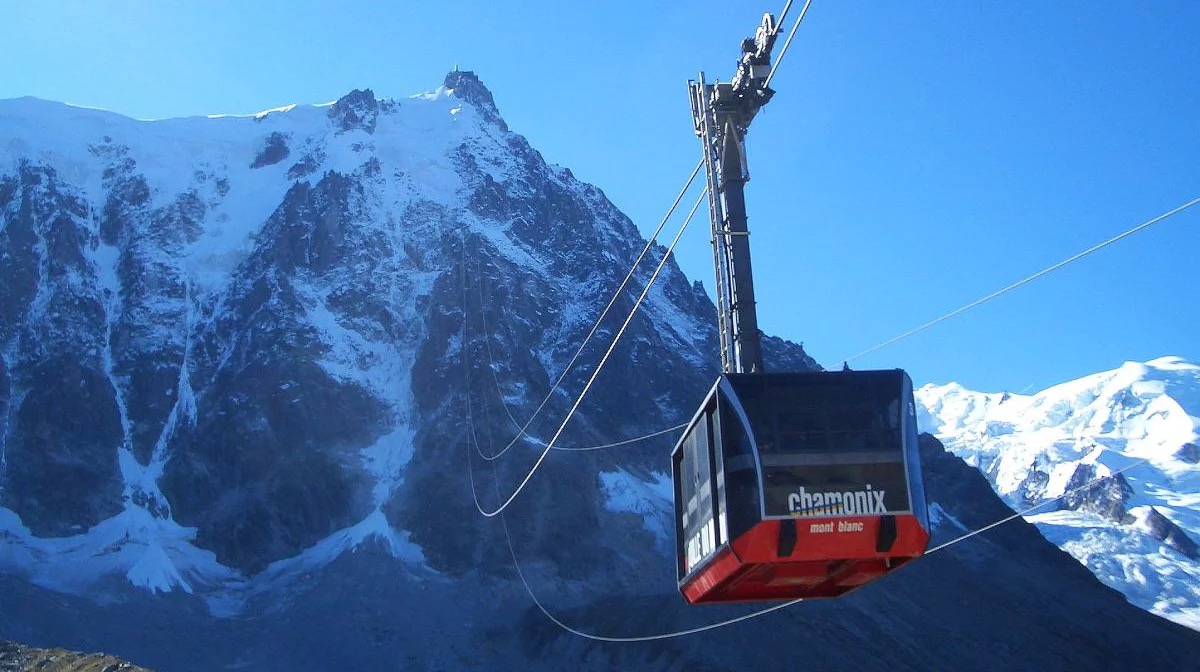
<point>352,217</point>
<point>225,164</point>
<point>1136,532</point>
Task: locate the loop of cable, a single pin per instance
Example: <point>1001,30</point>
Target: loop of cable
<point>522,429</point>
<point>599,367</point>
<point>487,339</point>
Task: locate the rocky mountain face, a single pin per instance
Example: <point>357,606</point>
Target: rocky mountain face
<point>256,377</point>
<point>256,340</point>
<point>1138,424</point>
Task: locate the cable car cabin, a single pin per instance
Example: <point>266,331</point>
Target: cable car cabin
<point>794,485</point>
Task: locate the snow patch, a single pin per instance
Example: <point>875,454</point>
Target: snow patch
<point>649,499</point>
<point>156,573</point>
<point>939,516</point>
<point>151,553</point>
<point>386,459</point>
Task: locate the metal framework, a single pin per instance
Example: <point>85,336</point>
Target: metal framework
<point>721,114</point>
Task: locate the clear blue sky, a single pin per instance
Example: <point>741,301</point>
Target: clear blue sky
<point>916,157</point>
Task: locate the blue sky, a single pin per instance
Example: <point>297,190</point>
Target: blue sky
<point>915,158</point>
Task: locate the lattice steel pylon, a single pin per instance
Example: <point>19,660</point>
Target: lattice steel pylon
<point>721,114</point>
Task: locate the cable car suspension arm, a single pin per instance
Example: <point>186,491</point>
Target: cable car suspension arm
<point>721,116</point>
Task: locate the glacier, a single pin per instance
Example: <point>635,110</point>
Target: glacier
<point>1142,417</point>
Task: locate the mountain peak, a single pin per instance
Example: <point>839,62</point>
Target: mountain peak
<point>466,85</point>
<point>357,109</point>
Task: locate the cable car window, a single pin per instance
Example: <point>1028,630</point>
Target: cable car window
<point>830,443</point>
<point>695,479</point>
<point>741,499</point>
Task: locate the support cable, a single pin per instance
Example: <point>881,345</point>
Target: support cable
<point>473,437</point>
<point>553,388</point>
<point>487,339</point>
<point>599,367</point>
<point>1025,280</point>
<point>467,373</point>
<point>786,7</point>
<point>788,42</point>
<point>625,442</point>
<point>646,638</point>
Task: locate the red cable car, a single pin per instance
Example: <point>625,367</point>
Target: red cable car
<point>798,485</point>
<point>787,485</point>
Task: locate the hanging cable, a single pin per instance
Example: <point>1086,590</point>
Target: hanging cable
<point>649,243</point>
<point>783,15</point>
<point>599,367</point>
<point>646,638</point>
<point>487,339</point>
<point>1024,281</point>
<point>626,442</point>
<point>472,436</point>
<point>466,365</point>
<point>788,42</point>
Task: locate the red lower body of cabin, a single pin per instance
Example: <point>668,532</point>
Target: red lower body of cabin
<point>827,558</point>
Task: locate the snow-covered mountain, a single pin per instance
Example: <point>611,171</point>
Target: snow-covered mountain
<point>224,340</point>
<point>1137,531</point>
<point>250,368</point>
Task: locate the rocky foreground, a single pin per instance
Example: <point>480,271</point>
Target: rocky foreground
<point>17,658</point>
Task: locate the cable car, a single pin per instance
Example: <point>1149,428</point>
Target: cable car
<point>795,485</point>
<point>787,485</point>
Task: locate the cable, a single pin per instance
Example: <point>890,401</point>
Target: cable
<point>496,480</point>
<point>599,367</point>
<point>649,242</point>
<point>788,42</point>
<point>783,14</point>
<point>1024,281</point>
<point>467,372</point>
<point>1038,506</point>
<point>646,638</point>
<point>529,589</point>
<point>660,432</point>
<point>487,339</point>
